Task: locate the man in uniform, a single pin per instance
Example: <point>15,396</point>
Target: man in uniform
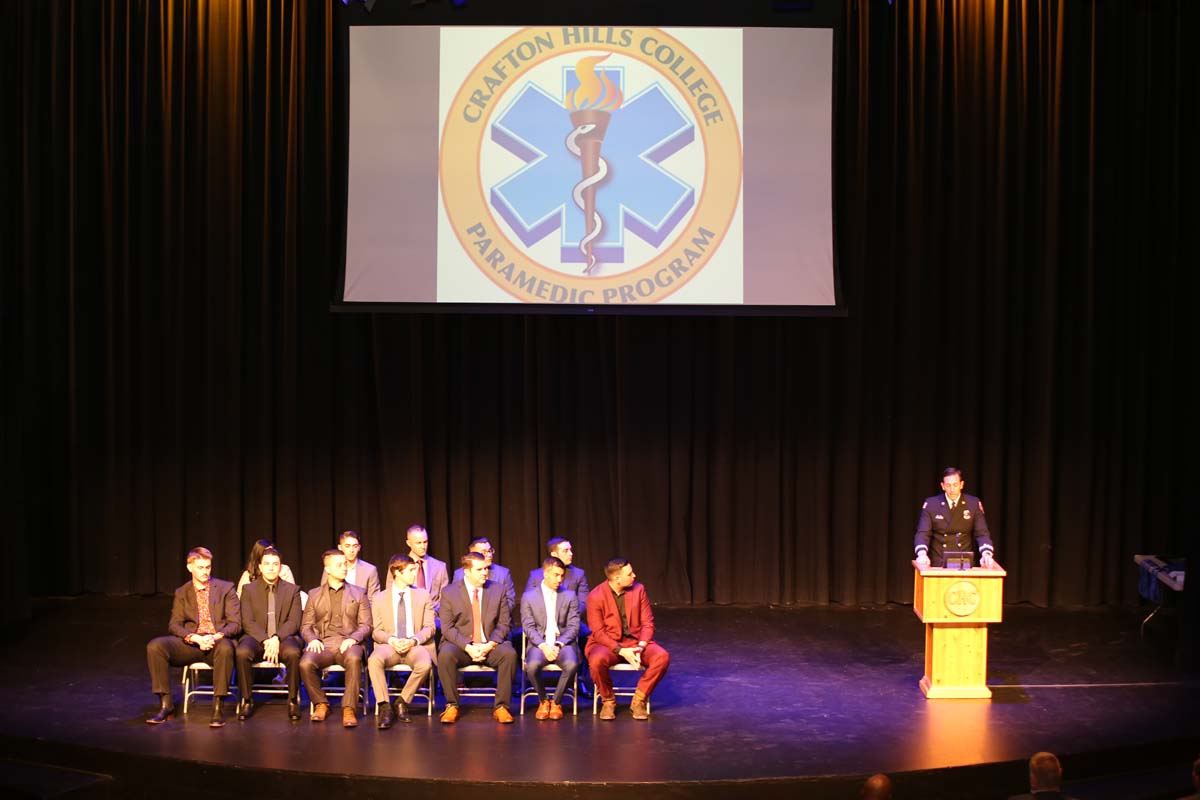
<point>952,521</point>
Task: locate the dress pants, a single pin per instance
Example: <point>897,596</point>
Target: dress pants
<point>165,652</point>
<point>654,658</point>
<point>503,659</point>
<point>250,652</point>
<point>535,662</point>
<point>384,656</point>
<point>311,665</point>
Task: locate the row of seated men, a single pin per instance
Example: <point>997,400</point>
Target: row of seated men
<point>474,612</point>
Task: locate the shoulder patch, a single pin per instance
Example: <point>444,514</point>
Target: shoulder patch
<point>925,504</point>
<point>981,511</point>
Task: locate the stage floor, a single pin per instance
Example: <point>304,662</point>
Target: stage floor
<point>757,700</point>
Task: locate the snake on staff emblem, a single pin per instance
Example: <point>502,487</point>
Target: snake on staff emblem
<point>595,224</point>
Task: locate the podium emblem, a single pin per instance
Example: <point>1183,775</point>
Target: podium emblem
<point>962,598</point>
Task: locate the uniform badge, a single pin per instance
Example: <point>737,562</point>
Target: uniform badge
<point>939,516</point>
<point>966,513</point>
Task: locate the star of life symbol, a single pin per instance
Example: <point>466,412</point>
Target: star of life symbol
<point>620,144</point>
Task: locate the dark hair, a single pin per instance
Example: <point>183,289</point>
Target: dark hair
<point>615,566</point>
<point>271,551</point>
<point>553,544</point>
<point>553,561</point>
<point>255,557</point>
<point>332,552</point>
<point>470,558</point>
<point>1044,771</point>
<point>948,471</point>
<point>399,560</point>
<point>479,540</point>
<point>199,552</point>
<point>347,534</point>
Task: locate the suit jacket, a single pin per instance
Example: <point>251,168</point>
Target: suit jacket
<point>575,580</point>
<point>939,529</point>
<point>455,614</point>
<point>605,620</point>
<point>366,577</point>
<point>384,623</point>
<point>222,602</point>
<point>499,575</point>
<point>287,609</point>
<point>566,614</point>
<point>436,579</point>
<point>355,607</point>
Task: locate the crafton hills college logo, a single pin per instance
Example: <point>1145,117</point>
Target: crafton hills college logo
<point>586,165</point>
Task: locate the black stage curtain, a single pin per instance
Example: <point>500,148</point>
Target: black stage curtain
<point>1010,183</point>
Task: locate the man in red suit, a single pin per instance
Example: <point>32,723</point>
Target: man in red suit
<point>622,624</point>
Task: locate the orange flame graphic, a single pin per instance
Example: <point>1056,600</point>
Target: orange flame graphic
<point>595,90</point>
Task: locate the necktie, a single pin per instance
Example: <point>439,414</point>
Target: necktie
<point>421,574</point>
<point>205,625</point>
<point>476,617</point>
<point>403,617</point>
<point>270,610</point>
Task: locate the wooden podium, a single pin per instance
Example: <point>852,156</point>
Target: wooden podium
<point>956,606</point>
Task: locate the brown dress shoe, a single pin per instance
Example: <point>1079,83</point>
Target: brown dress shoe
<point>502,715</point>
<point>319,711</point>
<point>450,715</point>
<point>543,710</point>
<point>608,709</point>
<point>349,718</point>
<point>556,712</point>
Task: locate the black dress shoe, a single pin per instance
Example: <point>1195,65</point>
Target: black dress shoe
<point>218,718</point>
<point>294,710</point>
<point>402,712</point>
<point>245,710</point>
<point>166,712</point>
<point>386,716</point>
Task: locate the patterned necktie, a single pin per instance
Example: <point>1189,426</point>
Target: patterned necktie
<point>205,626</point>
<point>270,610</point>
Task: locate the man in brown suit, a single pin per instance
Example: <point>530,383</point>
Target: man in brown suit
<point>337,620</point>
<point>205,617</point>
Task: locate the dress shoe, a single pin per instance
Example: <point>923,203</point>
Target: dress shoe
<point>556,712</point>
<point>402,713</point>
<point>293,710</point>
<point>349,718</point>
<point>543,710</point>
<point>386,716</point>
<point>637,707</point>
<point>608,709</point>
<point>319,711</point>
<point>502,715</point>
<point>218,717</point>
<point>165,712</point>
<point>245,710</point>
<point>450,715</point>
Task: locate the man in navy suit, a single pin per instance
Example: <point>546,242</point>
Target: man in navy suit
<point>271,612</point>
<point>550,617</point>
<point>952,521</point>
<point>574,579</point>
<point>205,616</point>
<point>476,617</point>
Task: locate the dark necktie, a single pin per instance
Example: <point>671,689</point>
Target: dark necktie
<point>270,610</point>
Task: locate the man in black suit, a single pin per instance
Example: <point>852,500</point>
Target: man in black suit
<point>271,619</point>
<point>205,616</point>
<point>336,621</point>
<point>1045,779</point>
<point>476,617</point>
<point>497,574</point>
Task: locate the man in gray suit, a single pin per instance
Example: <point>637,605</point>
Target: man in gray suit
<point>271,612</point>
<point>403,621</point>
<point>205,616</point>
<point>550,617</point>
<point>336,621</point>
<point>432,575</point>
<point>358,572</point>
<point>496,573</point>
<point>475,619</point>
